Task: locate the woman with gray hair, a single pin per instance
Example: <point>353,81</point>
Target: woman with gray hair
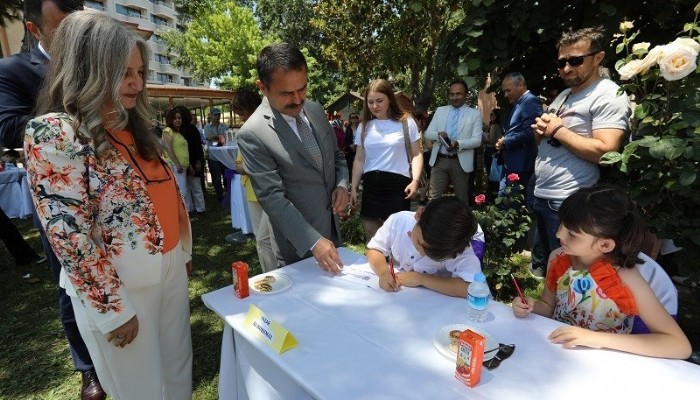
<point>111,209</point>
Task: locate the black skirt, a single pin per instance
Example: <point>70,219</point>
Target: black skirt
<point>383,194</point>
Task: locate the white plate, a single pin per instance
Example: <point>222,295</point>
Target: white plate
<point>441,341</point>
<point>282,282</point>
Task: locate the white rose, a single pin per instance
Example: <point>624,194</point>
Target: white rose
<point>626,25</point>
<point>636,67</point>
<point>678,62</point>
<point>630,69</point>
<point>687,42</point>
<point>640,46</point>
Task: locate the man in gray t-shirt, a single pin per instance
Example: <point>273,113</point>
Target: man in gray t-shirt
<point>584,122</point>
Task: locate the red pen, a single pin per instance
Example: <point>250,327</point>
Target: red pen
<point>391,267</point>
<point>517,287</point>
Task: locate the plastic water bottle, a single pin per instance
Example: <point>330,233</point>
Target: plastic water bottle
<point>478,298</point>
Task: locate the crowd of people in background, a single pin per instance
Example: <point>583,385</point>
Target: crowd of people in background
<point>116,226</point>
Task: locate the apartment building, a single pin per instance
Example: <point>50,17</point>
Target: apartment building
<point>153,16</point>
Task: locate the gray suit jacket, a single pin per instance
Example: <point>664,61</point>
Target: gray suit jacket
<point>293,192</point>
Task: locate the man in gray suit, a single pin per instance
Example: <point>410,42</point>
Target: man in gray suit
<point>298,173</point>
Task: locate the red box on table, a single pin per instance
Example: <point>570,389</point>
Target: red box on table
<point>240,279</point>
<point>470,356</point>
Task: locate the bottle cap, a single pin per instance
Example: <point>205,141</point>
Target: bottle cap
<point>480,277</point>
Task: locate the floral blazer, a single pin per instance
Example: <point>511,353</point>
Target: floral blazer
<point>99,219</point>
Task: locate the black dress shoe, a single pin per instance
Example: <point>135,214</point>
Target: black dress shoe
<point>92,390</point>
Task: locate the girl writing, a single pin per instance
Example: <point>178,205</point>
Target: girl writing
<point>593,284</point>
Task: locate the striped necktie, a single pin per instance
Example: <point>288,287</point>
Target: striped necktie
<point>309,141</point>
<point>454,121</point>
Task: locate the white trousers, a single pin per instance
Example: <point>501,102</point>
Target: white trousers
<point>158,363</point>
<point>196,194</point>
<point>191,188</point>
<point>263,237</point>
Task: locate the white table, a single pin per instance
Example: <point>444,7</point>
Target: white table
<point>360,343</point>
<point>240,215</point>
<point>15,198</point>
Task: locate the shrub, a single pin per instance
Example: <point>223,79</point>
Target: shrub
<point>505,224</point>
<point>659,166</point>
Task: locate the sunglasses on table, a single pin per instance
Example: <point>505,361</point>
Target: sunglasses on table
<point>504,351</point>
<point>574,61</point>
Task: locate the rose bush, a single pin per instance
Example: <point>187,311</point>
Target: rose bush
<point>505,224</point>
<point>659,166</point>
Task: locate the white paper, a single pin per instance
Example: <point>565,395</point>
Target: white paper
<point>444,143</point>
<point>359,273</point>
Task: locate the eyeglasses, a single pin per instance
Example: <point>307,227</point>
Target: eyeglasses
<point>504,351</point>
<point>133,160</point>
<point>574,61</point>
<point>354,117</point>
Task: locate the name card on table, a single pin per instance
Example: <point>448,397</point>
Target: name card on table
<point>269,331</point>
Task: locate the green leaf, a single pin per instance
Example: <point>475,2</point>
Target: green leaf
<point>687,178</point>
<point>673,152</point>
<point>658,150</point>
<point>611,157</point>
<point>642,110</point>
<point>463,69</point>
<point>619,48</point>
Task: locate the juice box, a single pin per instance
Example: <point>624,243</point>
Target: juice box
<point>240,279</point>
<point>470,356</point>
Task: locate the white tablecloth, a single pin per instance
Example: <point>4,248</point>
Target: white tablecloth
<point>361,343</point>
<point>15,199</point>
<point>240,215</point>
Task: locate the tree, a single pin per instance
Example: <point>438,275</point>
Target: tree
<point>520,35</point>
<point>399,39</point>
<point>221,41</point>
<point>289,20</point>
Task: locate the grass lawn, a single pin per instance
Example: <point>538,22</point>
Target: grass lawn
<point>35,362</point>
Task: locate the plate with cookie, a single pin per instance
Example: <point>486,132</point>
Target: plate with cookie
<point>447,337</point>
<point>270,283</point>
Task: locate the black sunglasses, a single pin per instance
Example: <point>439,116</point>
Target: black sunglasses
<point>574,61</point>
<point>143,174</point>
<point>504,351</point>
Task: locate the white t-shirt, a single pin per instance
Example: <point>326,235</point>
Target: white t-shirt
<point>384,145</point>
<point>393,238</point>
<point>559,171</point>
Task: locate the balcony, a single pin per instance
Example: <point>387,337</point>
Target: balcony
<point>140,4</point>
<point>163,10</point>
<point>170,69</point>
<point>137,19</point>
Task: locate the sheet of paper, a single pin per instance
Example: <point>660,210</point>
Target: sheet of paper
<point>359,273</point>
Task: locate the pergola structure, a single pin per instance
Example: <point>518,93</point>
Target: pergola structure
<point>198,99</point>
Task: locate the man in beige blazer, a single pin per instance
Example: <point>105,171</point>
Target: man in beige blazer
<point>298,173</point>
<point>455,131</point>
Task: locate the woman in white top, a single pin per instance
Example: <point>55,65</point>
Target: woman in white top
<point>381,159</point>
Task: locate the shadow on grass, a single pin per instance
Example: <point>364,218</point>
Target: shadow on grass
<point>34,361</point>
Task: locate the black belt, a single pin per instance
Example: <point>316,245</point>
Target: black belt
<point>447,155</point>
